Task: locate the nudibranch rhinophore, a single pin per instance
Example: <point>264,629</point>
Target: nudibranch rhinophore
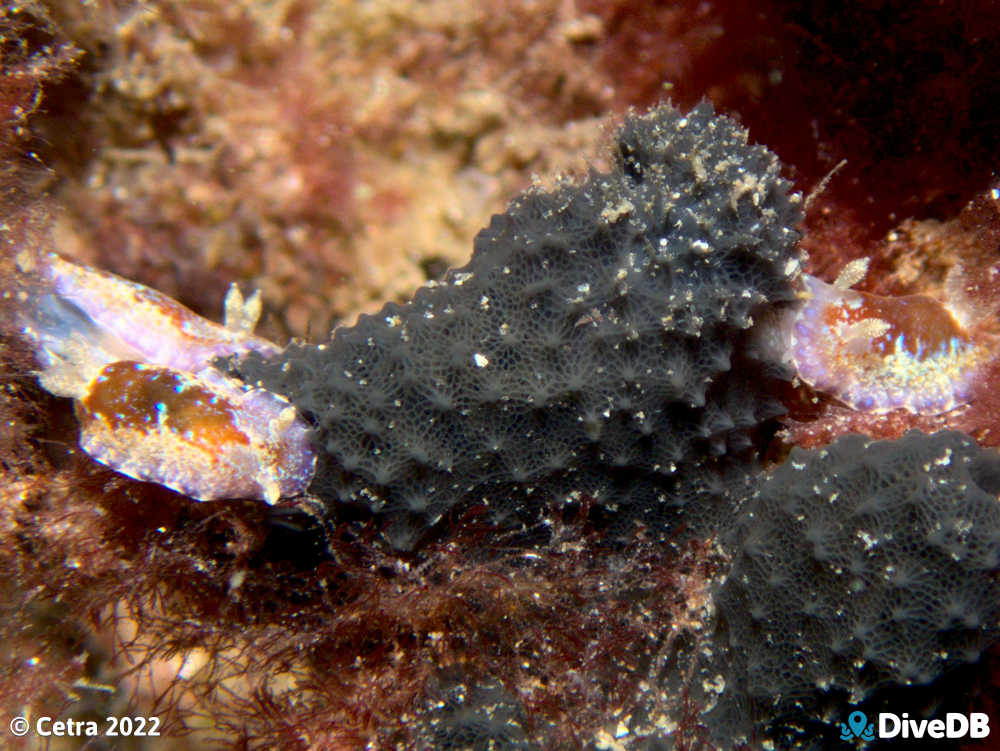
<point>877,354</point>
<point>150,405</point>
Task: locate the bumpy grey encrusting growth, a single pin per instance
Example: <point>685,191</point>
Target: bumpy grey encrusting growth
<point>857,569</point>
<point>597,348</point>
<point>473,716</point>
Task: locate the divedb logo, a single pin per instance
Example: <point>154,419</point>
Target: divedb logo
<point>890,725</point>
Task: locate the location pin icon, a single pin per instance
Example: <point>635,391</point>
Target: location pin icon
<point>857,721</point>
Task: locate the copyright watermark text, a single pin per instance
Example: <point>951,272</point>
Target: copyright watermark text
<point>110,727</point>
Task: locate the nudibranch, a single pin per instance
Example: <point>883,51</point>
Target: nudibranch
<point>877,354</point>
<point>150,404</point>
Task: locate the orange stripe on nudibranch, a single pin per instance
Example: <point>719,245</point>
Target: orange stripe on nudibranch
<point>877,354</point>
<point>147,397</point>
<point>197,433</point>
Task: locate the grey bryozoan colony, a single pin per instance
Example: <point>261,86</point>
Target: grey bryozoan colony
<point>608,343</point>
<point>598,347</point>
<point>857,569</point>
<point>860,573</point>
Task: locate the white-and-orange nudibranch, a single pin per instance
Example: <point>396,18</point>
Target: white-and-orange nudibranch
<point>878,354</point>
<point>150,404</point>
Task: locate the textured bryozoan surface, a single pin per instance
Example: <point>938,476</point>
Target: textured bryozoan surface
<point>859,567</point>
<point>480,717</point>
<point>597,347</point>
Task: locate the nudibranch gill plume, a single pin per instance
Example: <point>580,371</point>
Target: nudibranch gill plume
<point>149,401</point>
<point>877,354</point>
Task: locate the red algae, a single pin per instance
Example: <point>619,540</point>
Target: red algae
<point>36,59</point>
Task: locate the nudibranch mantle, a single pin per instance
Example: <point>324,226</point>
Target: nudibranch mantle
<point>877,354</point>
<point>154,327</point>
<point>150,405</point>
